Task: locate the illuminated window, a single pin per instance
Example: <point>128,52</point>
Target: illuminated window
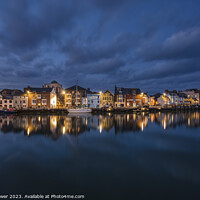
<point>34,102</point>
<point>44,101</point>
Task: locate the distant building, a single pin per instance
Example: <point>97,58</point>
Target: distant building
<point>107,99</point>
<point>172,98</point>
<point>41,97</point>
<point>54,84</point>
<point>193,93</point>
<point>11,92</point>
<point>94,100</point>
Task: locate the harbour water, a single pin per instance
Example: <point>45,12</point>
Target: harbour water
<point>112,156</point>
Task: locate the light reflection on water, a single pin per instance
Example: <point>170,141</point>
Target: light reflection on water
<point>113,156</point>
<point>56,126</point>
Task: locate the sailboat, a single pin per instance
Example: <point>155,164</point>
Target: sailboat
<point>78,110</point>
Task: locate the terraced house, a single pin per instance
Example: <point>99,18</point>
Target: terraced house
<point>107,99</point>
<point>7,101</point>
<point>193,95</point>
<point>20,101</point>
<point>41,97</point>
<point>76,96</point>
<point>94,100</point>
<point>130,97</point>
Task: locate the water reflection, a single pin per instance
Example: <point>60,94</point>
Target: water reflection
<point>55,126</point>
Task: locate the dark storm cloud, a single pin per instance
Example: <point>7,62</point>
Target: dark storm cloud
<point>29,55</point>
<point>91,53</point>
<point>103,67</point>
<point>26,23</point>
<point>146,44</point>
<point>170,68</point>
<point>28,73</point>
<point>184,44</point>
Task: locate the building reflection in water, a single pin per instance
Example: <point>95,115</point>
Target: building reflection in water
<point>55,126</point>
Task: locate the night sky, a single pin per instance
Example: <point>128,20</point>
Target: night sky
<point>153,44</point>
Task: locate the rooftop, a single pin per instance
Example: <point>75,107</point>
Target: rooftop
<point>38,89</point>
<point>54,81</point>
<point>79,88</point>
<point>120,90</point>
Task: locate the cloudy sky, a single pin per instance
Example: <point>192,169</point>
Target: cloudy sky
<point>150,44</point>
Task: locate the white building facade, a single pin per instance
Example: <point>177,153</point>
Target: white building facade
<point>7,102</point>
<point>94,100</point>
<point>172,99</point>
<point>20,102</point>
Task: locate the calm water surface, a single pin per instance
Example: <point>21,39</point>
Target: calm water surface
<point>128,156</point>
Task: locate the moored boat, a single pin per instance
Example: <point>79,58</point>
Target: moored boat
<point>80,110</point>
<point>9,112</point>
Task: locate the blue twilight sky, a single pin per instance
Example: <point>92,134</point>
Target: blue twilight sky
<point>150,44</point>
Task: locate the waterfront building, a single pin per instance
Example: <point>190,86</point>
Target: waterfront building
<point>107,99</point>
<point>60,99</point>
<point>120,97</point>
<point>74,96</point>
<point>41,97</point>
<point>7,101</point>
<point>68,99</point>
<point>194,94</point>
<point>130,97</point>
<point>84,101</point>
<point>60,93</point>
<point>20,101</point>
<point>142,99</point>
<point>175,97</point>
<point>163,100</point>
<point>172,98</point>
<point>181,98</point>
<point>13,99</point>
<point>153,99</point>
<point>94,100</point>
<point>189,101</point>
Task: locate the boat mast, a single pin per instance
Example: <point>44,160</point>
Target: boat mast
<point>76,91</point>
